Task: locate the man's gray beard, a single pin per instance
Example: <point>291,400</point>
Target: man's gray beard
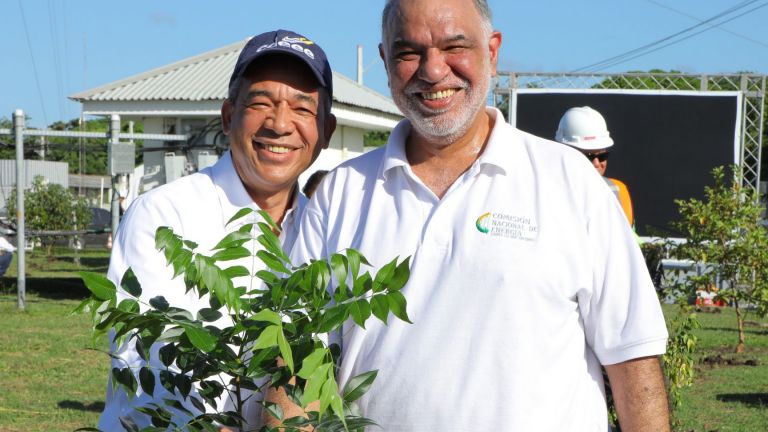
<point>448,126</point>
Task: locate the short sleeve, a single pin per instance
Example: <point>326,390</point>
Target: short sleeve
<point>621,312</point>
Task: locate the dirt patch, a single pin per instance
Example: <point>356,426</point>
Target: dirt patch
<point>709,309</point>
<point>755,324</point>
<point>719,360</point>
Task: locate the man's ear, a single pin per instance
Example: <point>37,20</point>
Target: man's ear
<point>226,116</point>
<point>384,60</point>
<point>381,54</point>
<point>494,44</point>
<point>329,128</point>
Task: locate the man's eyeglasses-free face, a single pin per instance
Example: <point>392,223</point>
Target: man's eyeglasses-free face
<point>602,157</point>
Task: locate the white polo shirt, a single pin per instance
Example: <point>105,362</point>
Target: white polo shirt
<point>197,207</point>
<point>525,277</point>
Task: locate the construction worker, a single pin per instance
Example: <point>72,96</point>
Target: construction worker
<point>584,129</point>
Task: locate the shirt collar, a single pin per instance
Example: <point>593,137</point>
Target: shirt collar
<point>394,151</point>
<point>503,146</point>
<point>499,152</point>
<point>233,196</point>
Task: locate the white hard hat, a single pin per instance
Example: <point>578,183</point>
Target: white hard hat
<point>583,128</point>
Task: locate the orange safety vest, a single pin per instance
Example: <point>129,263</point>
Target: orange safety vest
<point>622,194</point>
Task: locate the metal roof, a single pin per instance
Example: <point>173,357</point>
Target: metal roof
<point>205,77</point>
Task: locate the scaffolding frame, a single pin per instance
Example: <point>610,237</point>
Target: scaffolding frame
<point>752,88</point>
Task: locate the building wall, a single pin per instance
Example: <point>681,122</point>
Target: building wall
<point>346,143</point>
<point>54,172</point>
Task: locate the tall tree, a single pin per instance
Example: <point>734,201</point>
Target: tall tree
<point>724,234</point>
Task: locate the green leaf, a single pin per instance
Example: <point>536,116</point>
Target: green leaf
<point>354,259</point>
<point>140,347</point>
<point>274,410</point>
<point>397,305</point>
<point>130,284</point>
<point>231,254</point>
<point>180,261</point>
<point>85,305</point>
<point>184,384</point>
<point>315,383</point>
<point>337,405</point>
<point>360,311</point>
<point>197,403</point>
<point>272,261</point>
<point>268,315</point>
<point>357,386</point>
<point>159,303</point>
<point>168,354</point>
<point>200,337</point>
<point>167,380</point>
<point>236,271</point>
<point>383,276</point>
<point>270,241</point>
<point>163,237</point>
<point>213,278</point>
<point>400,276</point>
<point>128,424</point>
<point>268,219</point>
<point>285,349</point>
<point>327,393</point>
<point>208,315</point>
<point>267,338</point>
<point>380,307</point>
<point>240,214</point>
<point>147,380</point>
<point>100,287</point>
<point>333,317</point>
<point>267,276</point>
<point>339,264</point>
<point>125,378</point>
<point>236,238</point>
<point>312,362</point>
<point>362,285</point>
<point>128,305</point>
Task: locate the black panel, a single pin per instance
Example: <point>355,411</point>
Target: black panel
<point>665,146</point>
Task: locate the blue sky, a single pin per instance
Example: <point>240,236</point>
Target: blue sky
<point>69,46</point>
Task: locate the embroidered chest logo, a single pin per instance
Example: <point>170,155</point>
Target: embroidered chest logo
<point>507,226</point>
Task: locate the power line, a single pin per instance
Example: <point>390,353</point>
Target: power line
<point>601,64</point>
<point>34,65</point>
<point>718,26</point>
<point>647,48</point>
<point>684,38</point>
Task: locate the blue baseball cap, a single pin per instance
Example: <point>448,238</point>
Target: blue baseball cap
<point>286,42</point>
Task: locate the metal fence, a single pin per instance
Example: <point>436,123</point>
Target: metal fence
<point>751,86</point>
<point>116,168</point>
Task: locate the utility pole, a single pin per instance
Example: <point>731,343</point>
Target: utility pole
<point>21,181</point>
<point>114,140</point>
<point>360,64</point>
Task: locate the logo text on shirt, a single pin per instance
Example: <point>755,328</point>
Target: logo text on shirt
<point>508,226</point>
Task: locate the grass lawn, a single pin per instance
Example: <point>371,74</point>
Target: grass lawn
<point>50,378</point>
<point>730,391</point>
<point>51,381</point>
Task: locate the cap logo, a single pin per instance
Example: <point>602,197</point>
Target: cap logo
<point>298,40</point>
<point>291,42</point>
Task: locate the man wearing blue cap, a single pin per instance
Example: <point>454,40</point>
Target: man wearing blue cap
<point>278,118</point>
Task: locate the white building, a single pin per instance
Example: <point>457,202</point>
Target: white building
<point>185,98</point>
